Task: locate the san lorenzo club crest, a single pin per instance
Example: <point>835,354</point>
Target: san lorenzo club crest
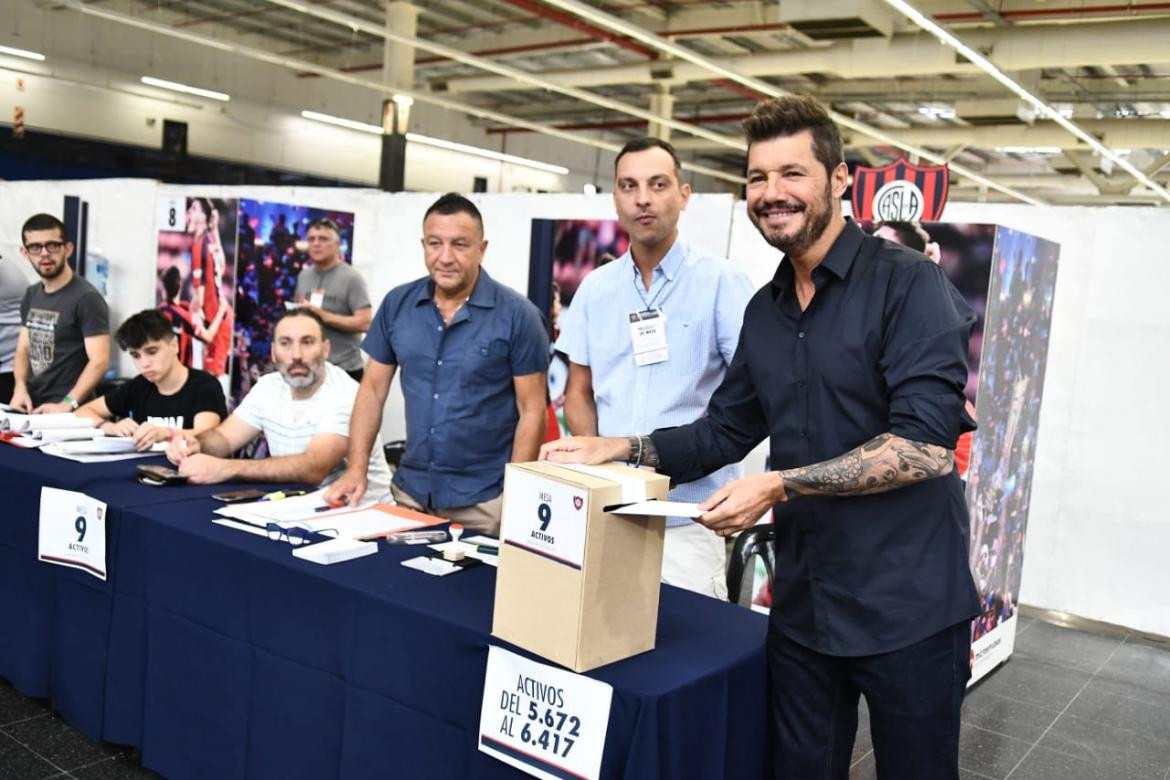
<point>900,192</point>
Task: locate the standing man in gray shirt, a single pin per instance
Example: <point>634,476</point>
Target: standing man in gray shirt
<point>337,294</point>
<point>13,283</point>
<point>64,343</point>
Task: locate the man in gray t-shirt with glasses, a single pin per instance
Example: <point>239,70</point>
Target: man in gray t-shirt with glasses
<point>64,343</point>
<point>336,293</point>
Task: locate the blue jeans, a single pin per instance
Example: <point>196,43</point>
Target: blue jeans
<point>914,696</point>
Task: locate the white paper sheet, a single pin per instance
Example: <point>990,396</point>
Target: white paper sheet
<point>11,421</point>
<point>435,566</point>
<point>236,524</point>
<point>660,509</point>
<point>295,509</point>
<point>80,457</point>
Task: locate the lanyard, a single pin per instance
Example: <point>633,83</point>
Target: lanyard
<point>649,306</point>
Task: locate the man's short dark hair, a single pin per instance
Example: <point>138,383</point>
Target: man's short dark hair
<point>298,312</point>
<point>204,206</point>
<point>649,142</point>
<point>43,222</point>
<point>172,280</point>
<point>327,223</point>
<point>791,114</point>
<point>147,325</point>
<point>454,203</point>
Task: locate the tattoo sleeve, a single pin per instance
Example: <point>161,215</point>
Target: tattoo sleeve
<point>649,452</point>
<point>885,462</point>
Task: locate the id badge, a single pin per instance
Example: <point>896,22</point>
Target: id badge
<point>648,336</point>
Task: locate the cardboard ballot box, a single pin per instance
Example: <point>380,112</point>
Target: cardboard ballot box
<point>576,584</point>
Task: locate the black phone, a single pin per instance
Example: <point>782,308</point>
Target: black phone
<point>236,496</point>
<point>160,475</point>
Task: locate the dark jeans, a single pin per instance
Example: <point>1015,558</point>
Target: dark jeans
<point>357,374</point>
<point>914,695</point>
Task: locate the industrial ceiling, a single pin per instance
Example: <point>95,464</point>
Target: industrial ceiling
<point>600,72</point>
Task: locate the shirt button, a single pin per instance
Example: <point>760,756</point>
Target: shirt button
<point>800,335</point>
<point>438,362</point>
<point>435,396</point>
<point>440,327</point>
<point>430,430</point>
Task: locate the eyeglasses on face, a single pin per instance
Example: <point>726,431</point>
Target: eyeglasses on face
<point>52,247</point>
<point>297,536</point>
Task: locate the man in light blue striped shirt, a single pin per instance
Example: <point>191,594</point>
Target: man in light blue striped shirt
<point>649,337</point>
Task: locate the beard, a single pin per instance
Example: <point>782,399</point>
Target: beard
<point>817,216</point>
<point>52,273</point>
<point>301,381</point>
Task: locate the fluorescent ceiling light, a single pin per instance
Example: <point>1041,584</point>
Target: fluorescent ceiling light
<point>1028,149</point>
<point>175,86</point>
<point>488,153</point>
<point>937,112</point>
<point>329,119</point>
<point>1042,108</point>
<point>438,143</point>
<point>28,55</point>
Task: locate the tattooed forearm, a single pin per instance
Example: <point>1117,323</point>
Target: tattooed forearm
<point>885,462</point>
<point>642,452</point>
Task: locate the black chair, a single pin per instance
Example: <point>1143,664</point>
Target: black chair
<point>756,540</point>
<point>393,452</point>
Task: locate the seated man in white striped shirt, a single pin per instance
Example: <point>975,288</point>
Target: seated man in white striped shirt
<point>303,411</point>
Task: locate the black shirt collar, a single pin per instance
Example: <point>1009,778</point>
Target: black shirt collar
<point>838,260</point>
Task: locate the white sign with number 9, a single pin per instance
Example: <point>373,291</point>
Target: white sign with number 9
<point>73,531</point>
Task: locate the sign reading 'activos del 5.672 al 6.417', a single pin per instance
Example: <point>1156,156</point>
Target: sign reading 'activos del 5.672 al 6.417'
<point>545,721</point>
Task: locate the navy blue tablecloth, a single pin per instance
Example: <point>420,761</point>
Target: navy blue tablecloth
<point>221,655</point>
<point>369,669</point>
<point>59,625</point>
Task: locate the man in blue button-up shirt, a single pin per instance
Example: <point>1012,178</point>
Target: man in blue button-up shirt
<point>473,355</point>
<point>697,299</point>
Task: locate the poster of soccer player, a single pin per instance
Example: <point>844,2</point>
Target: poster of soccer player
<point>196,277</point>
<point>562,253</point>
<point>273,239</point>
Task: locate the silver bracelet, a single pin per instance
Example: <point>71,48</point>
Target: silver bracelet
<point>635,456</point>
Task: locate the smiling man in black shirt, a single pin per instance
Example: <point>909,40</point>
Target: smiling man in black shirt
<point>853,361</point>
<point>166,397</point>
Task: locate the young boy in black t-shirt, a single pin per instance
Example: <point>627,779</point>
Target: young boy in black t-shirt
<point>166,396</point>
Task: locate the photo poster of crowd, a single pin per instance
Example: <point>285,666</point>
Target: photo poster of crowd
<point>561,254</point>
<point>195,286</point>
<point>1008,278</point>
<point>1011,388</point>
<point>273,250</point>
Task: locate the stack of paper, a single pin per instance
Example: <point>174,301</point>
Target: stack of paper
<point>27,423</point>
<point>99,450</point>
<point>310,512</point>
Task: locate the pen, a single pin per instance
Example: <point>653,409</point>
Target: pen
<point>328,507</point>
